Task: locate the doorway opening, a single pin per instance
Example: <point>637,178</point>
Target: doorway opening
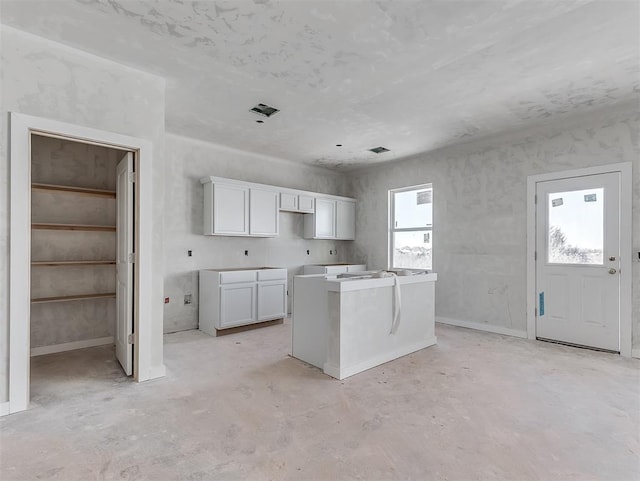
<point>82,234</point>
<point>146,325</point>
<point>579,258</point>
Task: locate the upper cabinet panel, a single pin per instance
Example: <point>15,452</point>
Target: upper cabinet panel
<point>345,220</point>
<point>263,213</point>
<point>238,208</point>
<point>226,209</point>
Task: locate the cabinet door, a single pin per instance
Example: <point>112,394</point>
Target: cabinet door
<point>237,304</point>
<point>264,213</point>
<point>305,203</point>
<point>272,300</point>
<point>325,218</point>
<point>288,201</point>
<point>230,209</point>
<point>345,220</point>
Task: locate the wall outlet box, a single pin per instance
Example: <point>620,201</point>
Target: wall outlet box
<point>187,299</point>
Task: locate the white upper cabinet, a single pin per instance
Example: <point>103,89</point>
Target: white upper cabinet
<point>238,208</point>
<point>263,213</point>
<point>226,209</point>
<point>322,224</point>
<point>288,201</point>
<point>292,202</point>
<point>333,219</point>
<point>306,203</point>
<point>345,219</point>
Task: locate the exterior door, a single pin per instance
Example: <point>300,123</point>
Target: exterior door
<point>578,260</point>
<point>124,265</point>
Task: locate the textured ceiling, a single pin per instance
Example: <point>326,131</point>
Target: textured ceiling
<point>411,76</point>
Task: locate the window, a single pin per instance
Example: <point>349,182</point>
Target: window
<point>410,227</point>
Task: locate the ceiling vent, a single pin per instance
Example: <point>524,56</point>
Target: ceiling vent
<point>265,110</point>
<point>379,150</point>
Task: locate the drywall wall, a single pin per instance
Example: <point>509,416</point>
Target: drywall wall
<point>50,80</point>
<point>188,161</point>
<point>480,220</point>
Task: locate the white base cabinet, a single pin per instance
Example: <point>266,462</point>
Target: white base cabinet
<point>238,297</point>
<point>333,268</point>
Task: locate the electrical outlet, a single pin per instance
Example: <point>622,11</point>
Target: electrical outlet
<point>187,299</point>
<point>246,253</point>
<point>166,300</point>
<point>308,252</point>
<point>189,253</point>
<point>330,252</point>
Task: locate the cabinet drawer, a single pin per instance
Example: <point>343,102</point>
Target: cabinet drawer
<point>237,276</point>
<point>272,274</point>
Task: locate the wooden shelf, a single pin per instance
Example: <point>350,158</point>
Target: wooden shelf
<point>110,228</point>
<point>80,297</point>
<point>111,194</point>
<point>71,263</point>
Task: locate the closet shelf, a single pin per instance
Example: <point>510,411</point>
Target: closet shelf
<point>111,194</point>
<point>72,263</point>
<point>79,297</point>
<point>111,228</point>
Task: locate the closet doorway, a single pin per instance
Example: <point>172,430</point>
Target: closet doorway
<point>71,271</point>
<point>82,253</point>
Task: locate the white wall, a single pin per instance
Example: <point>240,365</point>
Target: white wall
<point>47,79</point>
<point>480,210</point>
<point>188,161</point>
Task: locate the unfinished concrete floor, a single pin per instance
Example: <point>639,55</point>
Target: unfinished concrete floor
<point>477,406</point>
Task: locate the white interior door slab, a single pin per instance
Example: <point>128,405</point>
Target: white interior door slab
<point>124,263</point>
<point>578,260</point>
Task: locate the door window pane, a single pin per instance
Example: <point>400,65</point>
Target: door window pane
<point>576,227</point>
<point>412,250</point>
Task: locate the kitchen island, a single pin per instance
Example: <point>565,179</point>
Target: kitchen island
<point>347,325</point>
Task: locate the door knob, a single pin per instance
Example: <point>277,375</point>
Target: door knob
<point>612,271</point>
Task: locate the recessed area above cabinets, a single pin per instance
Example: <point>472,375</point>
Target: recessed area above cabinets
<point>238,208</point>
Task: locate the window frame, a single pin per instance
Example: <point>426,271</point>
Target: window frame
<point>392,229</point>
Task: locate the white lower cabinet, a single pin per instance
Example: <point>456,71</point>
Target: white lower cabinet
<point>237,304</point>
<point>272,300</point>
<point>237,297</point>
<point>332,268</point>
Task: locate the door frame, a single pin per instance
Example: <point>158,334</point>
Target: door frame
<point>21,127</point>
<point>626,217</point>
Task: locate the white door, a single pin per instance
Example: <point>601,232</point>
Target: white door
<point>124,265</point>
<point>578,260</point>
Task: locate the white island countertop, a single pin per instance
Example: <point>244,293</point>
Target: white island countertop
<point>347,325</point>
<point>364,280</point>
